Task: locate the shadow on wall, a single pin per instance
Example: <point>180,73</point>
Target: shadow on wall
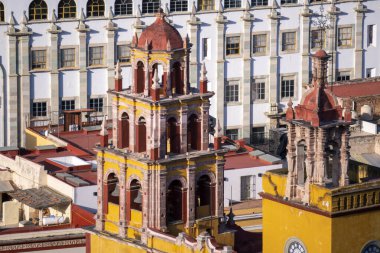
<point>247,242</point>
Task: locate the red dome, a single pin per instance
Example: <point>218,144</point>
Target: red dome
<point>321,54</point>
<point>158,34</point>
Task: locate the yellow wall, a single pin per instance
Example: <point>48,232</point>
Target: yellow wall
<point>281,222</point>
<point>102,245</point>
<point>357,229</point>
<point>274,184</point>
<point>34,139</point>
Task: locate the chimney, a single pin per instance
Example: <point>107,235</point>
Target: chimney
<point>203,79</point>
<point>218,137</point>
<point>155,87</point>
<point>104,134</point>
<point>118,78</point>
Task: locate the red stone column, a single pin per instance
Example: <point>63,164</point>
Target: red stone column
<point>184,205</point>
<point>213,198</point>
<point>135,82</point>
<point>164,83</point>
<point>105,198</point>
<point>128,206</point>
<point>118,84</point>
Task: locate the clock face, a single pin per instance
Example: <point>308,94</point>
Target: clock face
<point>296,247</point>
<point>372,248</point>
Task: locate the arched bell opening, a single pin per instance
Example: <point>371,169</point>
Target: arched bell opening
<point>204,197</point>
<point>111,191</point>
<point>193,133</point>
<point>136,195</point>
<point>173,136</point>
<point>177,78</point>
<point>301,162</point>
<point>141,135</point>
<point>161,76</point>
<point>123,130</point>
<point>139,78</point>
<point>332,162</point>
<point>176,202</point>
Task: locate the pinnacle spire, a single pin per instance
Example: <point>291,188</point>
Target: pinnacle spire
<point>118,71</point>
<point>203,72</point>
<point>103,131</point>
<point>53,17</point>
<point>110,13</point>
<point>155,84</point>
<point>12,20</point>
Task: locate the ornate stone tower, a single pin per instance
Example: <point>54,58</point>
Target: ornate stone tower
<point>318,150</point>
<point>159,177</point>
<point>311,207</point>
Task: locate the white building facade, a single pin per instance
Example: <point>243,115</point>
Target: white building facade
<point>60,54</point>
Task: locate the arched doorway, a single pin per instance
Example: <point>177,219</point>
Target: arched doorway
<point>140,78</point>
<point>175,202</point>
<point>193,133</point>
<point>141,135</point>
<point>111,193</point>
<point>173,136</point>
<point>204,197</point>
<point>177,78</point>
<point>123,141</point>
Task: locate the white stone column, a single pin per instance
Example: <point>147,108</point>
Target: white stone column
<point>220,68</point>
<point>273,58</point>
<point>111,31</point>
<point>83,95</point>
<point>122,202</point>
<point>245,87</point>
<point>12,123</point>
<point>193,25</point>
<point>305,47</point>
<point>290,191</point>
<point>332,43</point>
<point>359,38</point>
<point>25,87</point>
<point>54,74</point>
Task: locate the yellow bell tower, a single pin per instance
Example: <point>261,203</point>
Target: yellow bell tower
<point>160,184</point>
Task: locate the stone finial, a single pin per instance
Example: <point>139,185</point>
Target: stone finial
<point>275,4</point>
<point>247,15</point>
<point>118,71</point>
<point>24,22</point>
<point>156,80</point>
<point>273,13</point>
<point>103,127</point>
<point>203,72</point>
<point>82,25</point>
<point>110,13</point>
<point>193,17</point>
<point>82,16</point>
<point>138,22</point>
<point>193,9</point>
<point>53,17</point>
<point>220,9</point>
<point>306,12</point>
<point>12,22</point>
<point>168,46</point>
<point>290,114</point>
<point>218,132</point>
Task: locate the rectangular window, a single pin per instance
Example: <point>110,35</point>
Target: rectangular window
<point>259,3</point>
<point>39,59</point>
<point>318,39</point>
<point>232,92</point>
<point>228,4</point>
<point>259,44</point>
<point>287,87</point>
<point>123,54</point>
<point>343,76</point>
<point>258,89</point>
<point>371,35</point>
<point>233,45</point>
<point>345,37</point>
<point>233,134</point>
<point>206,5</point>
<point>67,57</point>
<point>205,47</point>
<point>178,5</point>
<point>150,6</point>
<point>371,72</point>
<point>67,105</point>
<point>96,56</point>
<point>258,135</point>
<point>97,104</point>
<point>39,109</point>
<point>288,41</point>
<point>247,187</point>
<point>289,2</point>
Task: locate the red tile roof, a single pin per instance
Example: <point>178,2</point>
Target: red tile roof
<point>359,89</point>
<point>239,161</point>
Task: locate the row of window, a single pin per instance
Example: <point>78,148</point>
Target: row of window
<point>68,57</point>
<point>260,42</point>
<point>40,109</point>
<point>258,135</point>
<point>38,9</point>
